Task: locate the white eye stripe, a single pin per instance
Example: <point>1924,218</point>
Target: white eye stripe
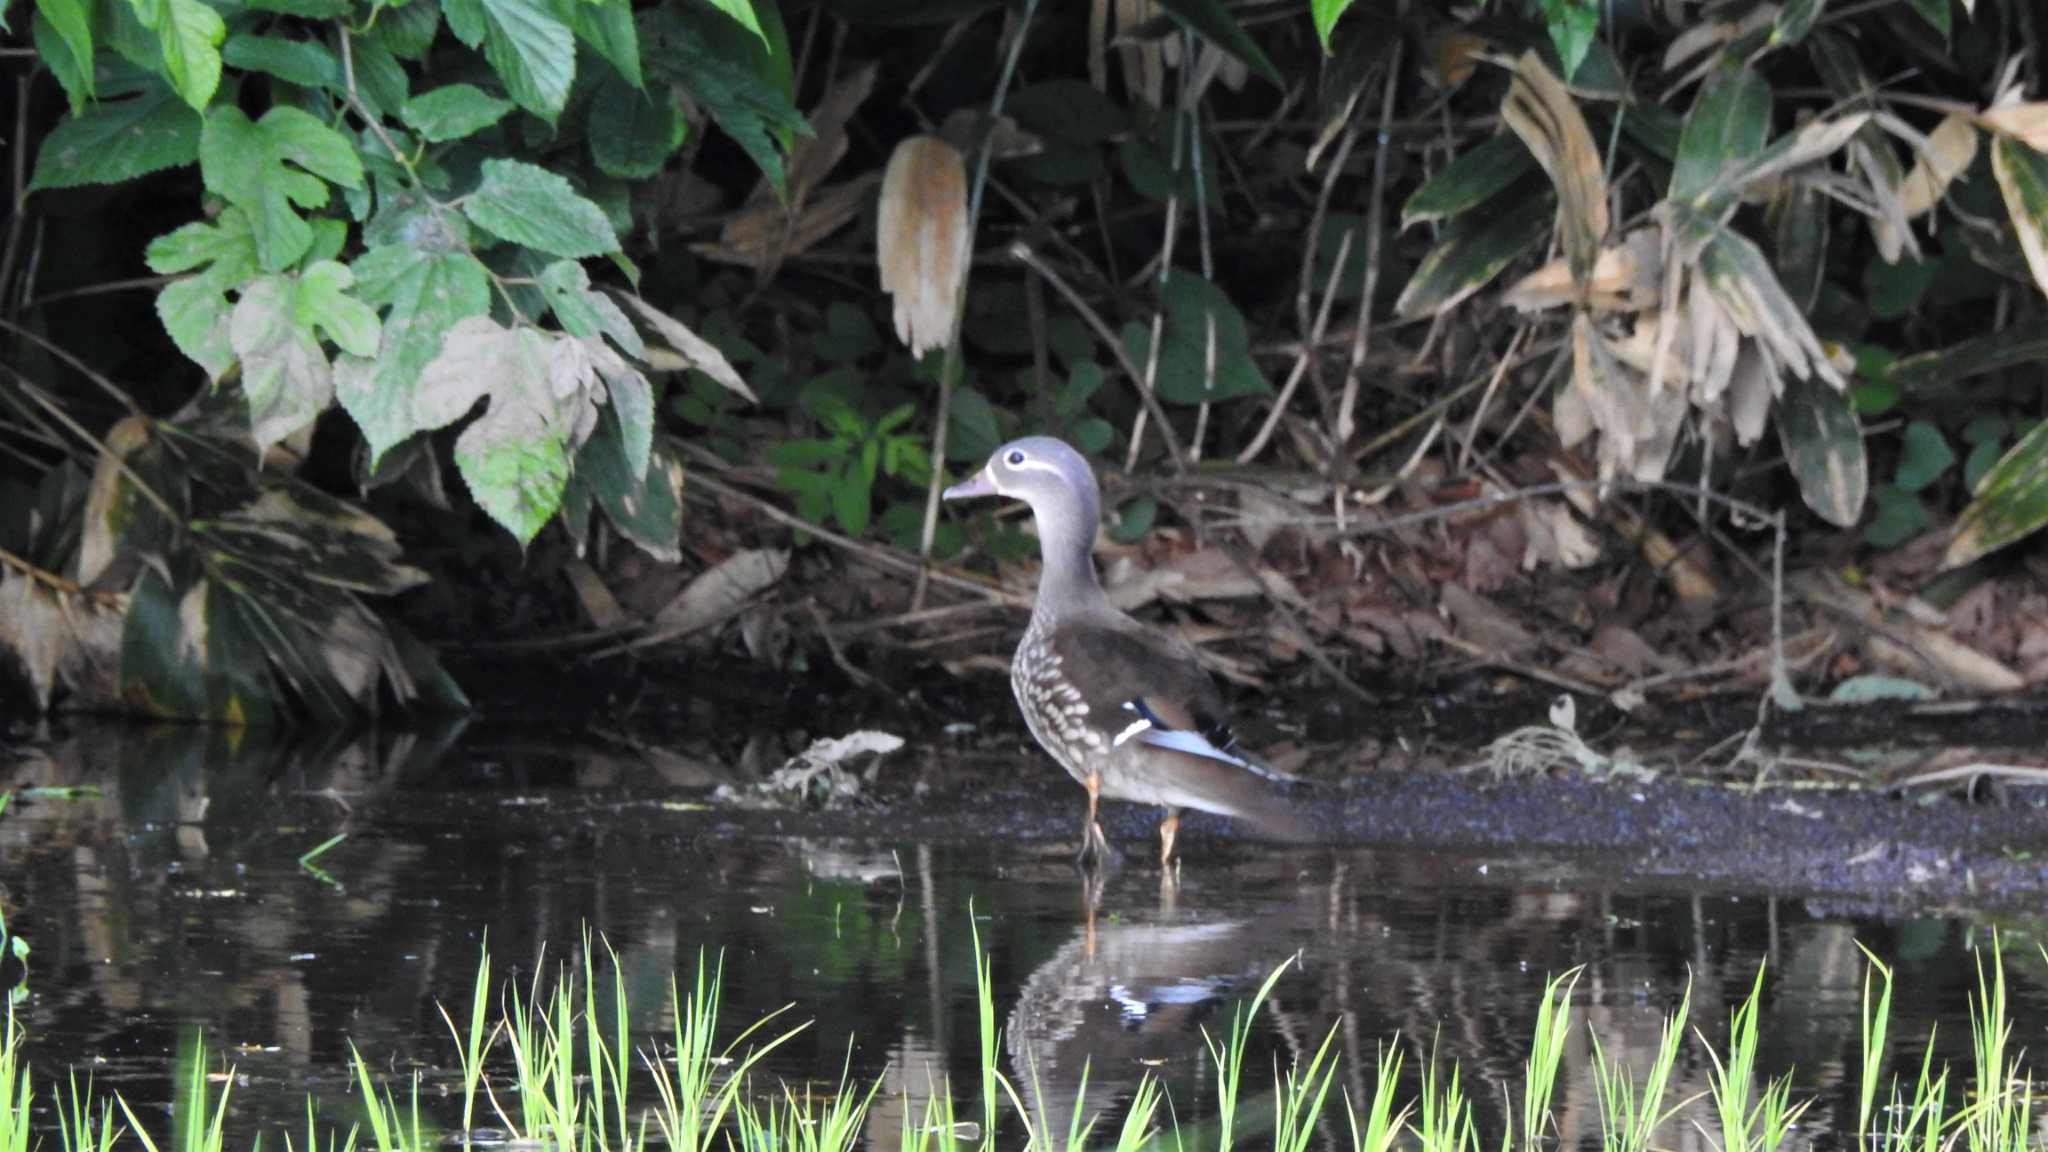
<point>1030,465</point>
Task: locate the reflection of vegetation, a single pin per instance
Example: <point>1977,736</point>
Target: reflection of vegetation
<point>570,1063</point>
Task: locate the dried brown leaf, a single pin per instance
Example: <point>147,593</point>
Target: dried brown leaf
<point>922,239</point>
<point>695,351</point>
<point>2025,121</point>
<point>1549,121</point>
<point>1950,149</point>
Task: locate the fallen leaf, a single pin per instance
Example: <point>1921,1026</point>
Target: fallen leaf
<point>922,238</point>
<point>718,593</point>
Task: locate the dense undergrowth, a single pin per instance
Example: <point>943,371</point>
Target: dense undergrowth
<point>556,1065</point>
<point>1297,271</point>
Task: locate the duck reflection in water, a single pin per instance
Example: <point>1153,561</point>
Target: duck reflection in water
<point>1131,994</point>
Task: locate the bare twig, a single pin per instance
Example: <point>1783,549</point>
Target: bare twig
<point>17,215</point>
<point>1023,254</point>
<point>1375,211</point>
<point>949,371</point>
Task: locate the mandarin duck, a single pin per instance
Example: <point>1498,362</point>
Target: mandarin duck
<point>1126,709</point>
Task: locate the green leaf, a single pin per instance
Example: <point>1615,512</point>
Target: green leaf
<point>2023,343</point>
<point>1982,458</point>
<point>189,34</point>
<point>1134,519</point>
<point>427,290</point>
<point>740,94</point>
<point>608,27</point>
<point>1325,14</point>
<point>1473,251</point>
<point>973,428</point>
<point>1070,109</point>
<point>307,63</point>
<point>71,22</point>
<point>583,311</point>
<point>1191,304</point>
<point>1822,442</point>
<point>79,85</point>
<point>162,665</point>
<point>285,375</point>
<point>1472,179</point>
<point>2010,505</point>
<point>269,166</point>
<point>1935,12</point>
<point>195,310</point>
<point>1728,124</point>
<point>2022,175</point>
<point>1924,456</point>
<point>514,457</point>
<point>1572,24</point>
<point>645,506</point>
<point>452,112</point>
<point>1896,289</point>
<point>530,49</point>
<point>1794,20</point>
<point>742,11</point>
<point>1214,23</point>
<point>408,30</point>
<point>529,205</point>
<point>118,140</point>
<point>632,132</point>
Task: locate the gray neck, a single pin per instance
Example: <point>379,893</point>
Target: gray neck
<point>1066,545</point>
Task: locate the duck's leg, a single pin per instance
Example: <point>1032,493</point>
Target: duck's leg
<point>1094,845</point>
<point>1169,829</point>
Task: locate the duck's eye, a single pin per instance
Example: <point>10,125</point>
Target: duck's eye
<point>1014,459</point>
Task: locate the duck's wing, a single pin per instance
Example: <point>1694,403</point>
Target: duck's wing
<point>1146,687</point>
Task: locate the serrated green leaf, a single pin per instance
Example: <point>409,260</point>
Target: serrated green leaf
<point>285,375</point>
<point>608,27</point>
<point>408,29</point>
<point>189,35</point>
<point>1728,124</point>
<point>1475,177</point>
<point>1473,251</point>
<point>515,456</point>
<point>1824,445</point>
<point>118,140</point>
<point>1924,456</point>
<point>452,112</point>
<point>427,292</point>
<point>526,204</point>
<point>632,132</point>
<point>526,44</point>
<point>194,310</point>
<point>79,84</point>
<point>2011,503</point>
<point>584,312</point>
<point>381,81</point>
<point>1213,22</point>
<point>322,304</point>
<point>307,63</point>
<point>645,506</point>
<point>269,166</point>
<point>71,23</point>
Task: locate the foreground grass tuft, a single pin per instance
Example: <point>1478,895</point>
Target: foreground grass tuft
<point>566,1071</point>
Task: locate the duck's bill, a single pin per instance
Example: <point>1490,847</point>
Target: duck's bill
<point>976,485</point>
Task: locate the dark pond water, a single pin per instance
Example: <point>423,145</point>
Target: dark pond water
<point>174,900</point>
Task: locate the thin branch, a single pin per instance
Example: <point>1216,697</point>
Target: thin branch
<point>949,371</point>
<point>1022,253</point>
<point>1375,211</point>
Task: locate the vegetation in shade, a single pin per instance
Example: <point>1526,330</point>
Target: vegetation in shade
<point>574,1091</point>
<point>561,245</point>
